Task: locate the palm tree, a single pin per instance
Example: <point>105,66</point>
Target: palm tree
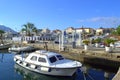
<point>109,47</point>
<point>35,30</point>
<point>1,35</point>
<point>28,28</point>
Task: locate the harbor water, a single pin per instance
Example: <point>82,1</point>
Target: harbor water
<point>11,71</point>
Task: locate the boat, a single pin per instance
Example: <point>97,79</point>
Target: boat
<point>36,76</point>
<point>21,49</point>
<point>5,46</point>
<point>49,63</point>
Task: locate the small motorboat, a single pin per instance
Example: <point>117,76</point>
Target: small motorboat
<point>5,46</point>
<point>48,63</point>
<point>21,49</point>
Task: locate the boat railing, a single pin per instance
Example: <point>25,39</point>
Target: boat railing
<point>41,52</point>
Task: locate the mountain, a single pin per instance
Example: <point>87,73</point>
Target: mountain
<point>7,29</point>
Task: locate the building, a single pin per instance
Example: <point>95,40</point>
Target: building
<point>57,31</point>
<point>70,30</point>
<point>101,31</point>
<point>87,31</point>
<point>45,30</point>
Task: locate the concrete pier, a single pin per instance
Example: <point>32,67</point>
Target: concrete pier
<point>117,76</point>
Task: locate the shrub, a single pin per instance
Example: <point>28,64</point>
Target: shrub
<point>107,41</point>
<point>86,42</point>
<point>98,40</point>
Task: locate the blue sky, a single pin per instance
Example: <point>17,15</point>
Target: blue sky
<point>60,14</point>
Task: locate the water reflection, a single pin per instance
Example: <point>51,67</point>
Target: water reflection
<point>87,73</point>
<point>29,75</point>
<point>91,73</point>
<point>1,57</point>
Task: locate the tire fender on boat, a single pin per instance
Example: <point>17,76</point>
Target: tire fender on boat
<point>18,61</point>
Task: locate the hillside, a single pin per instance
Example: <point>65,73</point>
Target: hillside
<point>7,29</point>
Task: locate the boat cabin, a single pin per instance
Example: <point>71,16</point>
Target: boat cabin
<point>44,58</point>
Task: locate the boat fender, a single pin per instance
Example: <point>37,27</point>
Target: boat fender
<point>44,69</point>
<point>49,70</point>
<point>24,63</point>
<point>36,67</point>
<point>27,65</point>
<point>15,59</point>
<point>18,61</point>
<point>33,66</point>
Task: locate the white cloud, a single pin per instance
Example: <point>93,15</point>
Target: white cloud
<point>1,23</point>
<point>109,21</point>
<point>100,19</point>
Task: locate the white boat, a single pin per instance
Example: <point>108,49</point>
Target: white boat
<point>5,46</point>
<point>48,63</point>
<point>18,49</point>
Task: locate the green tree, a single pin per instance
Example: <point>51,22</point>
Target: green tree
<point>29,28</point>
<point>1,35</point>
<point>35,30</point>
<point>107,41</point>
<point>118,30</point>
<point>86,42</point>
<point>114,32</point>
<point>98,40</point>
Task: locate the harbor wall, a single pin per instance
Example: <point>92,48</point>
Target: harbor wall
<point>92,56</point>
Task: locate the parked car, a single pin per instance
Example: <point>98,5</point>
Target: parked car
<point>102,45</point>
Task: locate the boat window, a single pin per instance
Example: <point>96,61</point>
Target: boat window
<point>59,57</point>
<point>41,59</point>
<point>52,59</point>
<point>34,58</point>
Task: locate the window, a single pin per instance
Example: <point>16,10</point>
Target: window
<point>52,59</point>
<point>34,58</point>
<point>41,59</point>
<point>59,57</point>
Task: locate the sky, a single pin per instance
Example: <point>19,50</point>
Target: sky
<point>60,14</point>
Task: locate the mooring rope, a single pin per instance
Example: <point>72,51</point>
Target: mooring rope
<point>85,74</point>
<point>90,76</point>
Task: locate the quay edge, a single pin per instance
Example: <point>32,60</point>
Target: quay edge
<point>100,58</point>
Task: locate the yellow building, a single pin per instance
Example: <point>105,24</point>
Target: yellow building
<point>69,30</point>
<point>99,31</point>
<point>85,30</point>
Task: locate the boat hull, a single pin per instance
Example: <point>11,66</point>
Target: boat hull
<point>22,49</point>
<point>5,46</point>
<point>48,70</point>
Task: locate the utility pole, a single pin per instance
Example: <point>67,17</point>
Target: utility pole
<point>59,42</point>
<point>80,39</point>
<point>74,39</point>
<point>62,45</point>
